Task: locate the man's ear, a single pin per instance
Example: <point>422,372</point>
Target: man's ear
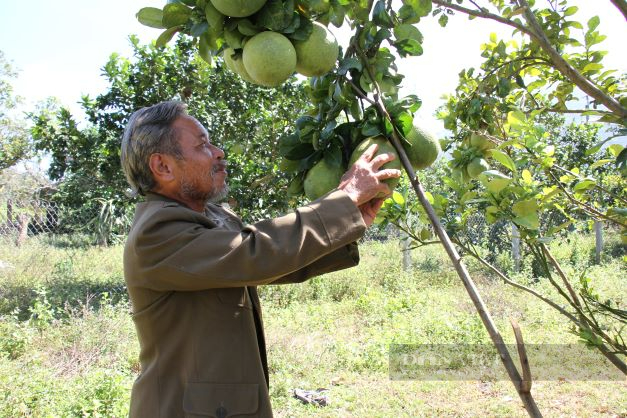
<point>161,166</point>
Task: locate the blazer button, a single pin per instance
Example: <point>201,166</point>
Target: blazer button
<point>221,412</point>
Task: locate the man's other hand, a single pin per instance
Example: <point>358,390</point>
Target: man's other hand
<point>370,209</point>
<point>364,181</point>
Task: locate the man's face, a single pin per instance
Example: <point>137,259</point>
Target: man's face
<point>202,171</point>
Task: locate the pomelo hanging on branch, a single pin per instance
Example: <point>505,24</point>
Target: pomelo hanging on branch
<point>321,179</point>
<point>238,8</point>
<point>316,55</point>
<point>231,25</point>
<point>423,148</point>
<point>269,58</point>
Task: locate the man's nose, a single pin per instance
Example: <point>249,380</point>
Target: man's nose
<point>218,153</point>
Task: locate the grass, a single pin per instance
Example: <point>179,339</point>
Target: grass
<point>68,345</point>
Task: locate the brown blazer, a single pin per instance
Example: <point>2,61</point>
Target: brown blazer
<point>192,281</point>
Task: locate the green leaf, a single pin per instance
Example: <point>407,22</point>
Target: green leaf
<point>233,38</point>
<point>175,14</point>
<point>370,129</point>
<point>504,159</point>
<point>380,16</point>
<point>494,181</point>
<point>247,28</point>
<point>621,162</point>
<point>526,212</point>
<point>349,63</point>
<point>276,15</point>
<point>205,45</point>
<point>408,47</point>
<point>214,17</point>
<point>167,35</point>
<point>593,23</point>
<point>407,14</point>
<point>584,185</point>
<point>616,149</point>
<point>199,28</point>
<point>600,163</point>
<point>333,156</point>
<point>421,7</point>
<point>303,31</point>
<point>405,31</point>
<point>571,11</point>
<point>398,198</point>
<point>491,214</point>
<point>151,16</point>
<point>516,118</point>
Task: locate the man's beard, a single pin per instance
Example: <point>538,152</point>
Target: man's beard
<point>191,189</point>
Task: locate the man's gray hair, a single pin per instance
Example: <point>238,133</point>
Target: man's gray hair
<point>149,131</point>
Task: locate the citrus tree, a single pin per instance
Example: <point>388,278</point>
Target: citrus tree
<point>356,99</point>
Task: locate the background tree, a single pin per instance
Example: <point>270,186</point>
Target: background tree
<point>14,139</point>
<point>243,119</point>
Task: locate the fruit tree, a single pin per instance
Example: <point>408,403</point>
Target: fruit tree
<point>354,98</point>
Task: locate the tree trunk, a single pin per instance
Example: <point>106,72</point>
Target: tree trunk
<point>516,247</point>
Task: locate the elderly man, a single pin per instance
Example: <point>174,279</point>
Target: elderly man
<point>192,267</point>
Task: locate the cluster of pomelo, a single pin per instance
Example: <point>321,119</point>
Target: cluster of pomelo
<point>477,146</point>
<point>269,58</point>
<point>422,150</point>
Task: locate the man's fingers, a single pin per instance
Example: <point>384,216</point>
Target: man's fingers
<point>381,159</point>
<point>369,153</point>
<point>388,173</point>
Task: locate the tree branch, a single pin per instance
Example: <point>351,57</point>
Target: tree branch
<point>565,68</point>
<point>621,5</point>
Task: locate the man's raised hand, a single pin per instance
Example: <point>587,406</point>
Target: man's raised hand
<point>364,180</point>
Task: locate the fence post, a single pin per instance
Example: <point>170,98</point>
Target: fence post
<point>598,232</point>
<point>516,247</point>
<point>406,253</point>
<point>22,229</point>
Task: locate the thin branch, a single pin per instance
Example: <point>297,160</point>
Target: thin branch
<point>359,92</point>
<point>517,285</point>
<point>584,206</point>
<point>483,14</point>
<point>597,186</point>
<point>562,275</point>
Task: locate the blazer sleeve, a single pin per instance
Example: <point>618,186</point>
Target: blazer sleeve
<point>173,250</point>
<point>345,257</point>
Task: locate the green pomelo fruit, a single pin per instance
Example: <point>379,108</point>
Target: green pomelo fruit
<point>481,142</point>
<point>236,64</point>
<point>238,8</point>
<point>321,179</point>
<point>476,167</point>
<point>384,148</point>
<point>269,58</point>
<point>316,55</point>
<point>424,149</point>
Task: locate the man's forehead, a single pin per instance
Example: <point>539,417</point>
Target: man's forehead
<point>191,125</point>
